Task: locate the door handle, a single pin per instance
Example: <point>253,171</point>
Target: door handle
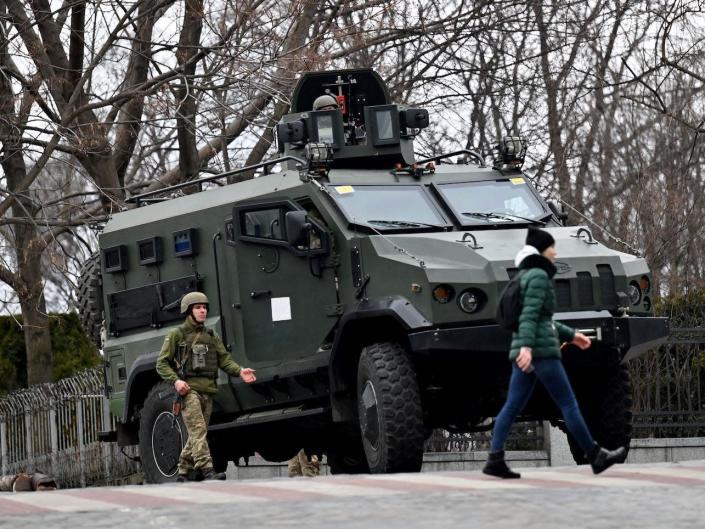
<point>257,293</point>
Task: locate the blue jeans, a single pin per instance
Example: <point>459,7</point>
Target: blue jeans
<point>552,375</point>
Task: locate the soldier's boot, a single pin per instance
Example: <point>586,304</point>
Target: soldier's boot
<point>191,475</point>
<point>601,459</point>
<point>496,466</point>
<point>210,474</point>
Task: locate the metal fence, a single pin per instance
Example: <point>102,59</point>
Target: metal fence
<point>522,436</point>
<point>53,429</point>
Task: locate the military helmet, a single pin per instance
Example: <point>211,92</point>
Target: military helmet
<point>325,100</point>
<point>191,299</point>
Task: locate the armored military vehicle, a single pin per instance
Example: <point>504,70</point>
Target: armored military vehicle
<point>361,282</point>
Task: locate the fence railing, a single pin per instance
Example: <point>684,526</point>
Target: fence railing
<point>522,436</point>
<point>53,429</point>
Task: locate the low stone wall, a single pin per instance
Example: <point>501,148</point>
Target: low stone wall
<point>258,468</point>
<point>666,450</point>
<point>556,454</point>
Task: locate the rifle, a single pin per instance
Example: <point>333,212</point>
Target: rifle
<point>176,407</point>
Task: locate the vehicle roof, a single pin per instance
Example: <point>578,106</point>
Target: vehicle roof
<point>266,184</point>
<point>204,200</point>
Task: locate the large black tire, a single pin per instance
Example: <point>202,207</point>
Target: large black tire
<point>607,409</point>
<point>161,438</point>
<point>89,299</point>
<point>389,409</point>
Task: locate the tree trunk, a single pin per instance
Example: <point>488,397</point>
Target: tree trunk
<point>28,243</point>
<point>35,320</point>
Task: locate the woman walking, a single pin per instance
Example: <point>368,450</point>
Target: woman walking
<point>535,354</point>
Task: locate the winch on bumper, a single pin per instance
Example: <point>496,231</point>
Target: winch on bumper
<point>631,335</point>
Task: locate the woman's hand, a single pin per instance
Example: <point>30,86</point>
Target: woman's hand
<point>247,374</point>
<point>581,340</point>
<point>524,359</point>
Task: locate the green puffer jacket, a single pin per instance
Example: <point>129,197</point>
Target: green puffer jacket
<point>536,327</point>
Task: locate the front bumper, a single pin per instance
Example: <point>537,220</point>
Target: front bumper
<point>632,336</point>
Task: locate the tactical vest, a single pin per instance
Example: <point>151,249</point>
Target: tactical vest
<point>199,359</point>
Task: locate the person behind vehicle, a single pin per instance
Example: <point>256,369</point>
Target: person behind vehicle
<point>535,355</point>
<point>303,465</point>
<point>325,102</point>
<point>189,359</point>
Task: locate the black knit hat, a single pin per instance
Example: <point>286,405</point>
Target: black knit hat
<point>539,239</point>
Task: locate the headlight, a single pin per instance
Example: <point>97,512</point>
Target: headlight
<point>469,301</point>
<point>634,293</point>
<point>443,293</point>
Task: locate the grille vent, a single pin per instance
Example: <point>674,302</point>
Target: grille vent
<point>585,295</point>
<point>607,285</point>
<point>563,293</point>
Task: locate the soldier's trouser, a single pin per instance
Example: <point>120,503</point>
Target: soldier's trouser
<point>299,465</point>
<point>196,412</point>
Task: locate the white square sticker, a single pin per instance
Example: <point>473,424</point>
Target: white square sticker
<point>281,309</point>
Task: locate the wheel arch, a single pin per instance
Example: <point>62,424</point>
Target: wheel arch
<point>142,378</point>
<point>375,320</point>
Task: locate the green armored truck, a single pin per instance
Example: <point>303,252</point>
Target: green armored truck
<point>361,282</point>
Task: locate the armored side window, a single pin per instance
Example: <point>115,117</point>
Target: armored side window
<point>281,223</point>
<point>264,224</point>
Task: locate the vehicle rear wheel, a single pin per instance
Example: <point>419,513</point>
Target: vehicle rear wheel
<point>389,409</point>
<point>89,297</point>
<point>161,437</point>
<point>607,409</point>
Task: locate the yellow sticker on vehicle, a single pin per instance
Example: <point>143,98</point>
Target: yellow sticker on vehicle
<point>344,190</point>
<point>518,180</point>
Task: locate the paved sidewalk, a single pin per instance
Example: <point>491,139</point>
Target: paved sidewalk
<point>644,496</point>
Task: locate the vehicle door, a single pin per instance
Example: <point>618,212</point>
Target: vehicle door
<point>286,292</point>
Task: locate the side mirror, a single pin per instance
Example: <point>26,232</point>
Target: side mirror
<point>561,215</point>
<point>291,132</point>
<point>297,228</point>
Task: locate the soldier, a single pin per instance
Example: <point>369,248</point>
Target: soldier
<point>189,359</point>
<point>325,102</point>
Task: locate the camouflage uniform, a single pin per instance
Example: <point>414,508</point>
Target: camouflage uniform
<point>186,344</point>
<point>300,465</point>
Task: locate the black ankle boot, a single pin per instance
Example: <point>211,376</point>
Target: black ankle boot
<point>602,459</point>
<point>496,466</point>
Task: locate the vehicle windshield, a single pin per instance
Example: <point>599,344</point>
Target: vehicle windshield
<point>493,201</point>
<point>388,207</point>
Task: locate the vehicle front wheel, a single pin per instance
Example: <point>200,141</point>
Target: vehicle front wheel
<point>161,437</point>
<point>606,406</point>
<point>389,409</point>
